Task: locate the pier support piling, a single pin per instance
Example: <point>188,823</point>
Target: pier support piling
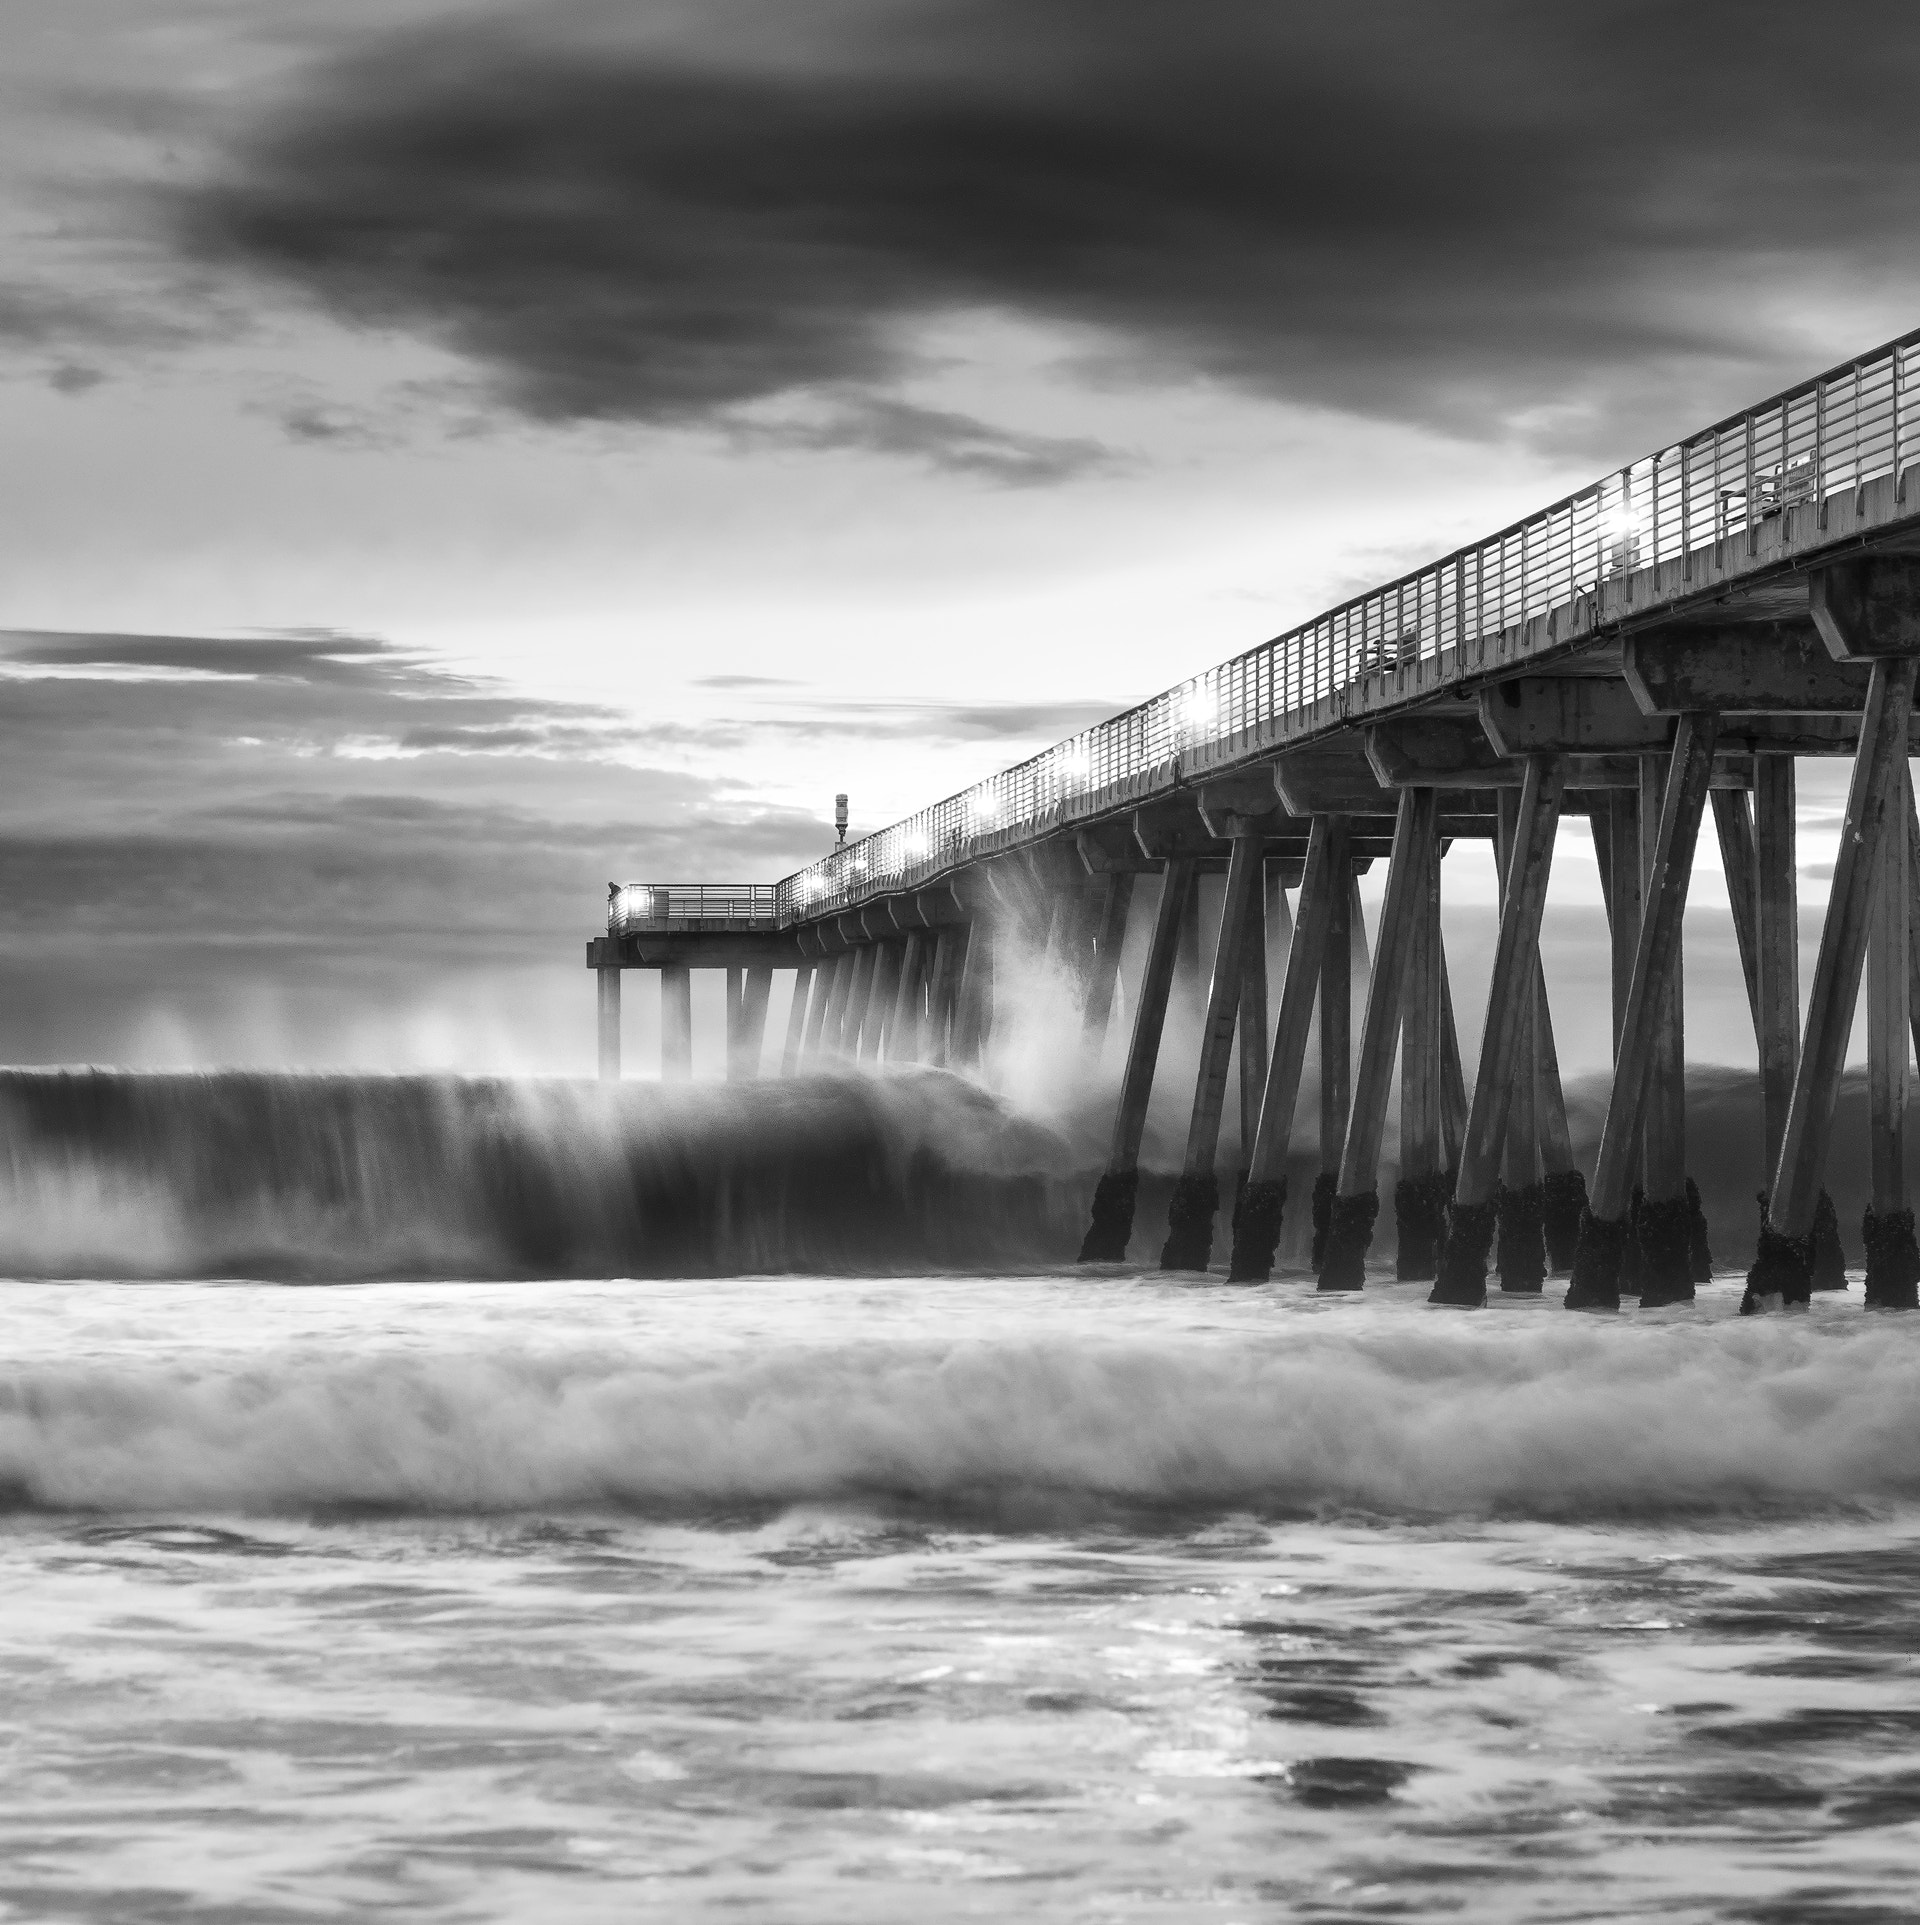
<point>1420,1195</point>
<point>1256,1233</point>
<point>1356,1202</point>
<point>1595,1282</point>
<point>1893,1260</point>
<point>1665,1224</point>
<point>608,983</point>
<point>1110,1229</point>
<point>1520,1248</point>
<point>1782,1270</point>
<point>1196,1196</point>
<point>676,1023</point>
<point>1336,1053</point>
<point>804,979</point>
<point>1103,967</point>
<point>1506,1039</point>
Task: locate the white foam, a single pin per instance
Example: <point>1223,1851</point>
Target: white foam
<point>1406,1417</point>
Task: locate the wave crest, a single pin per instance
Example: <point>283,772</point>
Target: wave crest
<point>1549,1421</point>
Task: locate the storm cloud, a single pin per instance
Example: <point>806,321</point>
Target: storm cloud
<point>1491,217</point>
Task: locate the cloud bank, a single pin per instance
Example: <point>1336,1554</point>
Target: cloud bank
<point>1488,217</point>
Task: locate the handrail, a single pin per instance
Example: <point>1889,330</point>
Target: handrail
<point>660,905</point>
<point>1855,423</point>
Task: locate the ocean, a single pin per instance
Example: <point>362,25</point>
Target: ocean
<point>853,1592</point>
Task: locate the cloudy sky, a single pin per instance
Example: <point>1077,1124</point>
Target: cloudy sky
<point>459,453</point>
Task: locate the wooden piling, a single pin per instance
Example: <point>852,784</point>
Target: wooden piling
<point>1595,1283</point>
<point>1357,1201</point>
<point>750,1023</point>
<point>1420,1195</point>
<point>1323,888</point>
<point>1196,1196</point>
<point>608,984</point>
<point>1665,1224</point>
<point>1103,967</point>
<point>1781,1274</point>
<point>676,1022</point>
<point>943,989</point>
<point>1336,1050</point>
<point>1888,1227</point>
<point>1110,1228</point>
<point>903,1031</point>
<point>1506,1038</point>
<point>1520,1249</point>
<point>973,1005</point>
<point>791,1049</point>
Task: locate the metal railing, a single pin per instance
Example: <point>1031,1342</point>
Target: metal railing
<point>1855,424</point>
<point>660,905</point>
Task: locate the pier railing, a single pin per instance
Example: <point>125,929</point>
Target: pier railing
<point>1854,424</point>
<point>635,906</point>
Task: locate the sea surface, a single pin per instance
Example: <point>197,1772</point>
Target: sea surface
<point>1049,1596</point>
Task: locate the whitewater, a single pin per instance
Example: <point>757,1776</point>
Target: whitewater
<point>654,1584</point>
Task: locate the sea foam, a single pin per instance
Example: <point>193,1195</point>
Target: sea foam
<point>1411,1415</point>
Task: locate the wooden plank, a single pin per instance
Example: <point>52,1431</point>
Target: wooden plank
<point>1776,945</point>
<point>1843,938</point>
<point>805,986</point>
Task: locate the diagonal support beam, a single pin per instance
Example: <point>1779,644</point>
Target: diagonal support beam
<point>1111,1227</point>
<point>1357,1201</point>
<point>1595,1284</point>
<point>1322,889</point>
<point>1196,1196</point>
<point>1506,1039</point>
<point>1782,1269</point>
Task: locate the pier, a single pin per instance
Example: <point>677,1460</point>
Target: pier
<point>1658,648</point>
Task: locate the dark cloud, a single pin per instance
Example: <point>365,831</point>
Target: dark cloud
<point>1492,215</point>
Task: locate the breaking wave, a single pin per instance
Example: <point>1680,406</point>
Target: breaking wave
<point>1423,1418</point>
<point>335,1177</point>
